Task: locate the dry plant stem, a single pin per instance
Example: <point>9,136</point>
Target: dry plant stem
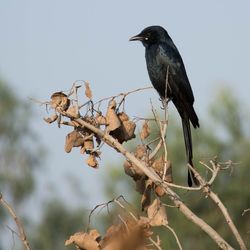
<point>245,211</point>
<point>175,235</point>
<point>156,179</point>
<point>123,94</point>
<point>155,244</point>
<point>163,129</point>
<point>220,205</point>
<point>21,231</point>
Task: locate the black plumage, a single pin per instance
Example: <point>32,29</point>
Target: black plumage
<point>166,68</point>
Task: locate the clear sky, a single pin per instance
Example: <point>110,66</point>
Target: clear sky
<point>46,45</point>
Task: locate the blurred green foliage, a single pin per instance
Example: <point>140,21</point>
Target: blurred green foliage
<point>19,150</point>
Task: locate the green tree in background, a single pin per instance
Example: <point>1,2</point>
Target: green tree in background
<point>19,151</point>
<point>224,134</point>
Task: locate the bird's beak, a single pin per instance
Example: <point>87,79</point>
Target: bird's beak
<point>137,38</point>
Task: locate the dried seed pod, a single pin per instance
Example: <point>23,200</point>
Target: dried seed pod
<point>59,101</point>
<point>51,119</point>
<point>88,91</point>
<point>92,161</point>
<point>113,121</point>
<point>145,132</point>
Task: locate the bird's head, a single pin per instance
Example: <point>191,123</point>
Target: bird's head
<point>151,35</point>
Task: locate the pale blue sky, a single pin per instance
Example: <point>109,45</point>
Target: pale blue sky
<point>46,45</point>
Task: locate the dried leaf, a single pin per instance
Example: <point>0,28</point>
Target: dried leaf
<point>73,139</point>
<point>132,170</point>
<point>100,119</point>
<point>92,161</point>
<point>84,241</point>
<point>89,144</point>
<point>51,118</point>
<point>129,130</point>
<point>128,235</point>
<point>112,120</point>
<point>160,191</point>
<point>82,150</point>
<point>73,112</point>
<point>141,152</point>
<point>125,132</point>
<point>146,197</point>
<point>59,101</point>
<point>157,214</point>
<point>88,91</point>
<point>140,184</point>
<point>159,164</point>
<point>123,116</point>
<point>145,132</point>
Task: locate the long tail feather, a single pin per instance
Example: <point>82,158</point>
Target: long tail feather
<point>189,150</point>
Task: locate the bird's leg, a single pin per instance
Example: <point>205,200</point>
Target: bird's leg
<point>165,102</point>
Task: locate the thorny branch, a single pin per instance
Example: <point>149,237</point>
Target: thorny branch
<point>108,136</point>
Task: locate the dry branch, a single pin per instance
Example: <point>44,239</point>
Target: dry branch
<point>114,123</point>
<point>19,224</point>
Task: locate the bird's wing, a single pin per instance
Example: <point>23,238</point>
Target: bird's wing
<point>169,55</point>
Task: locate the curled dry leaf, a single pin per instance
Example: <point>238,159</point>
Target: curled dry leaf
<point>73,139</point>
<point>59,101</point>
<point>51,118</point>
<point>112,119</point>
<point>157,214</point>
<point>125,132</point>
<point>88,91</point>
<point>86,241</point>
<point>92,161</point>
<point>145,132</point>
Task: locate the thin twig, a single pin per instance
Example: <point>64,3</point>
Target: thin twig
<point>175,235</point>
<point>220,205</point>
<point>122,94</point>
<point>19,224</point>
<point>245,211</point>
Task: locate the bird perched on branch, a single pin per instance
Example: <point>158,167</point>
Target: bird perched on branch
<point>168,76</point>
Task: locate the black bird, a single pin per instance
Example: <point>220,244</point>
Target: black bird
<point>166,68</point>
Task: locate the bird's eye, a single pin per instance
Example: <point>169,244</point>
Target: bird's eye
<point>146,38</point>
